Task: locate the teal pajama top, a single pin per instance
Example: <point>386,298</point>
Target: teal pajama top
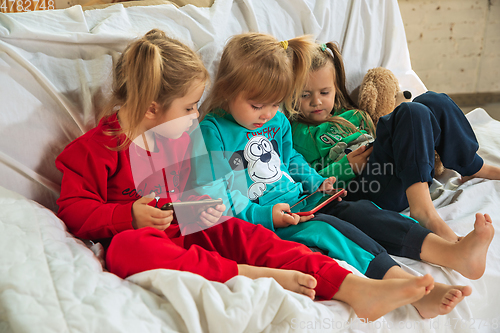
<point>254,170</point>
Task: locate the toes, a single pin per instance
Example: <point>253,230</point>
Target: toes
<point>307,281</point>
<point>426,281</point>
<point>480,218</point>
<point>312,283</point>
<point>452,296</point>
<point>466,291</point>
<point>483,219</point>
<point>307,292</point>
<point>429,288</point>
<point>446,302</point>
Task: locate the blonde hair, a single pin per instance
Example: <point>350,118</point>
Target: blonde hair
<point>154,68</point>
<point>260,66</point>
<point>329,55</point>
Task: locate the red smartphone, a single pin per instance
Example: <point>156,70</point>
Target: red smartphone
<point>321,205</point>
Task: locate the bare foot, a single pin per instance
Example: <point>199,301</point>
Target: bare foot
<point>289,279</point>
<point>372,299</point>
<point>441,300</point>
<point>470,252</point>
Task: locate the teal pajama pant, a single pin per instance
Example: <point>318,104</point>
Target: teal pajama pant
<point>361,234</point>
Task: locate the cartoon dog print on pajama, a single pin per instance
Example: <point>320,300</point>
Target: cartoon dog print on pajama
<point>262,161</point>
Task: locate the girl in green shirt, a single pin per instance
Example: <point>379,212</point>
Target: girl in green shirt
<point>335,139</point>
<point>395,173</point>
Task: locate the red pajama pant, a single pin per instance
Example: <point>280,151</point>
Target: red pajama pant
<point>215,252</point>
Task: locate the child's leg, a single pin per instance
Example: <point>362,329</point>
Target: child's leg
<point>439,301</point>
<point>292,280</point>
<point>402,162</point>
<point>487,171</point>
<point>341,240</point>
<point>372,299</point>
<point>431,122</point>
<point>274,257</point>
<point>398,234</point>
<point>369,298</point>
<point>135,251</point>
<point>468,256</point>
<point>457,146</point>
<point>144,249</point>
<point>402,236</point>
<point>455,141</point>
<point>422,209</point>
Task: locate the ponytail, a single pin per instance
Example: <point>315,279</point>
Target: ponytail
<point>154,68</point>
<point>143,73</point>
<point>342,98</point>
<point>301,49</point>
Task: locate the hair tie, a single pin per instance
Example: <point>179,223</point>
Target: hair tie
<point>284,44</point>
<point>325,48</point>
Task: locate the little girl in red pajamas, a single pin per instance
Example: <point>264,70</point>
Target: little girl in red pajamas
<point>158,83</point>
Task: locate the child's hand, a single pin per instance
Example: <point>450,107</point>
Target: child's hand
<point>358,158</point>
<point>212,215</point>
<point>148,216</point>
<point>281,219</point>
<point>327,186</point>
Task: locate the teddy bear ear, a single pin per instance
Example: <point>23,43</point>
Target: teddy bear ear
<point>367,99</point>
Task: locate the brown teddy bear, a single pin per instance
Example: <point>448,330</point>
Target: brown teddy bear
<point>379,94</point>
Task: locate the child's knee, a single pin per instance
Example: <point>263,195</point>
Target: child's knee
<point>129,248</point>
<point>437,102</point>
<point>133,240</point>
<point>412,112</point>
<point>432,98</point>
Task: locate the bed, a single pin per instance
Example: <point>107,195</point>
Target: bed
<point>54,76</point>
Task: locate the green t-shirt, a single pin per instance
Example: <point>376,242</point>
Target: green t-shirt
<point>325,147</point>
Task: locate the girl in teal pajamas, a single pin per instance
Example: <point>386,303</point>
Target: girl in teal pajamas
<point>252,162</point>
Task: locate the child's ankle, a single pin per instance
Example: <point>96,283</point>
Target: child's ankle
<point>426,216</point>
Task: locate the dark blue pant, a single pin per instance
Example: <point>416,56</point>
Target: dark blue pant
<point>341,240</point>
<point>398,234</point>
<point>403,153</point>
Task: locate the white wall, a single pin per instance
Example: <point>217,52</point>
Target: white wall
<point>454,44</point>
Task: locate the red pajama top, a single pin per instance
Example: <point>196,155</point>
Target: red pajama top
<point>99,188</point>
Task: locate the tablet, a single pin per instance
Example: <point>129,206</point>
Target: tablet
<point>337,194</point>
<point>188,204</point>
